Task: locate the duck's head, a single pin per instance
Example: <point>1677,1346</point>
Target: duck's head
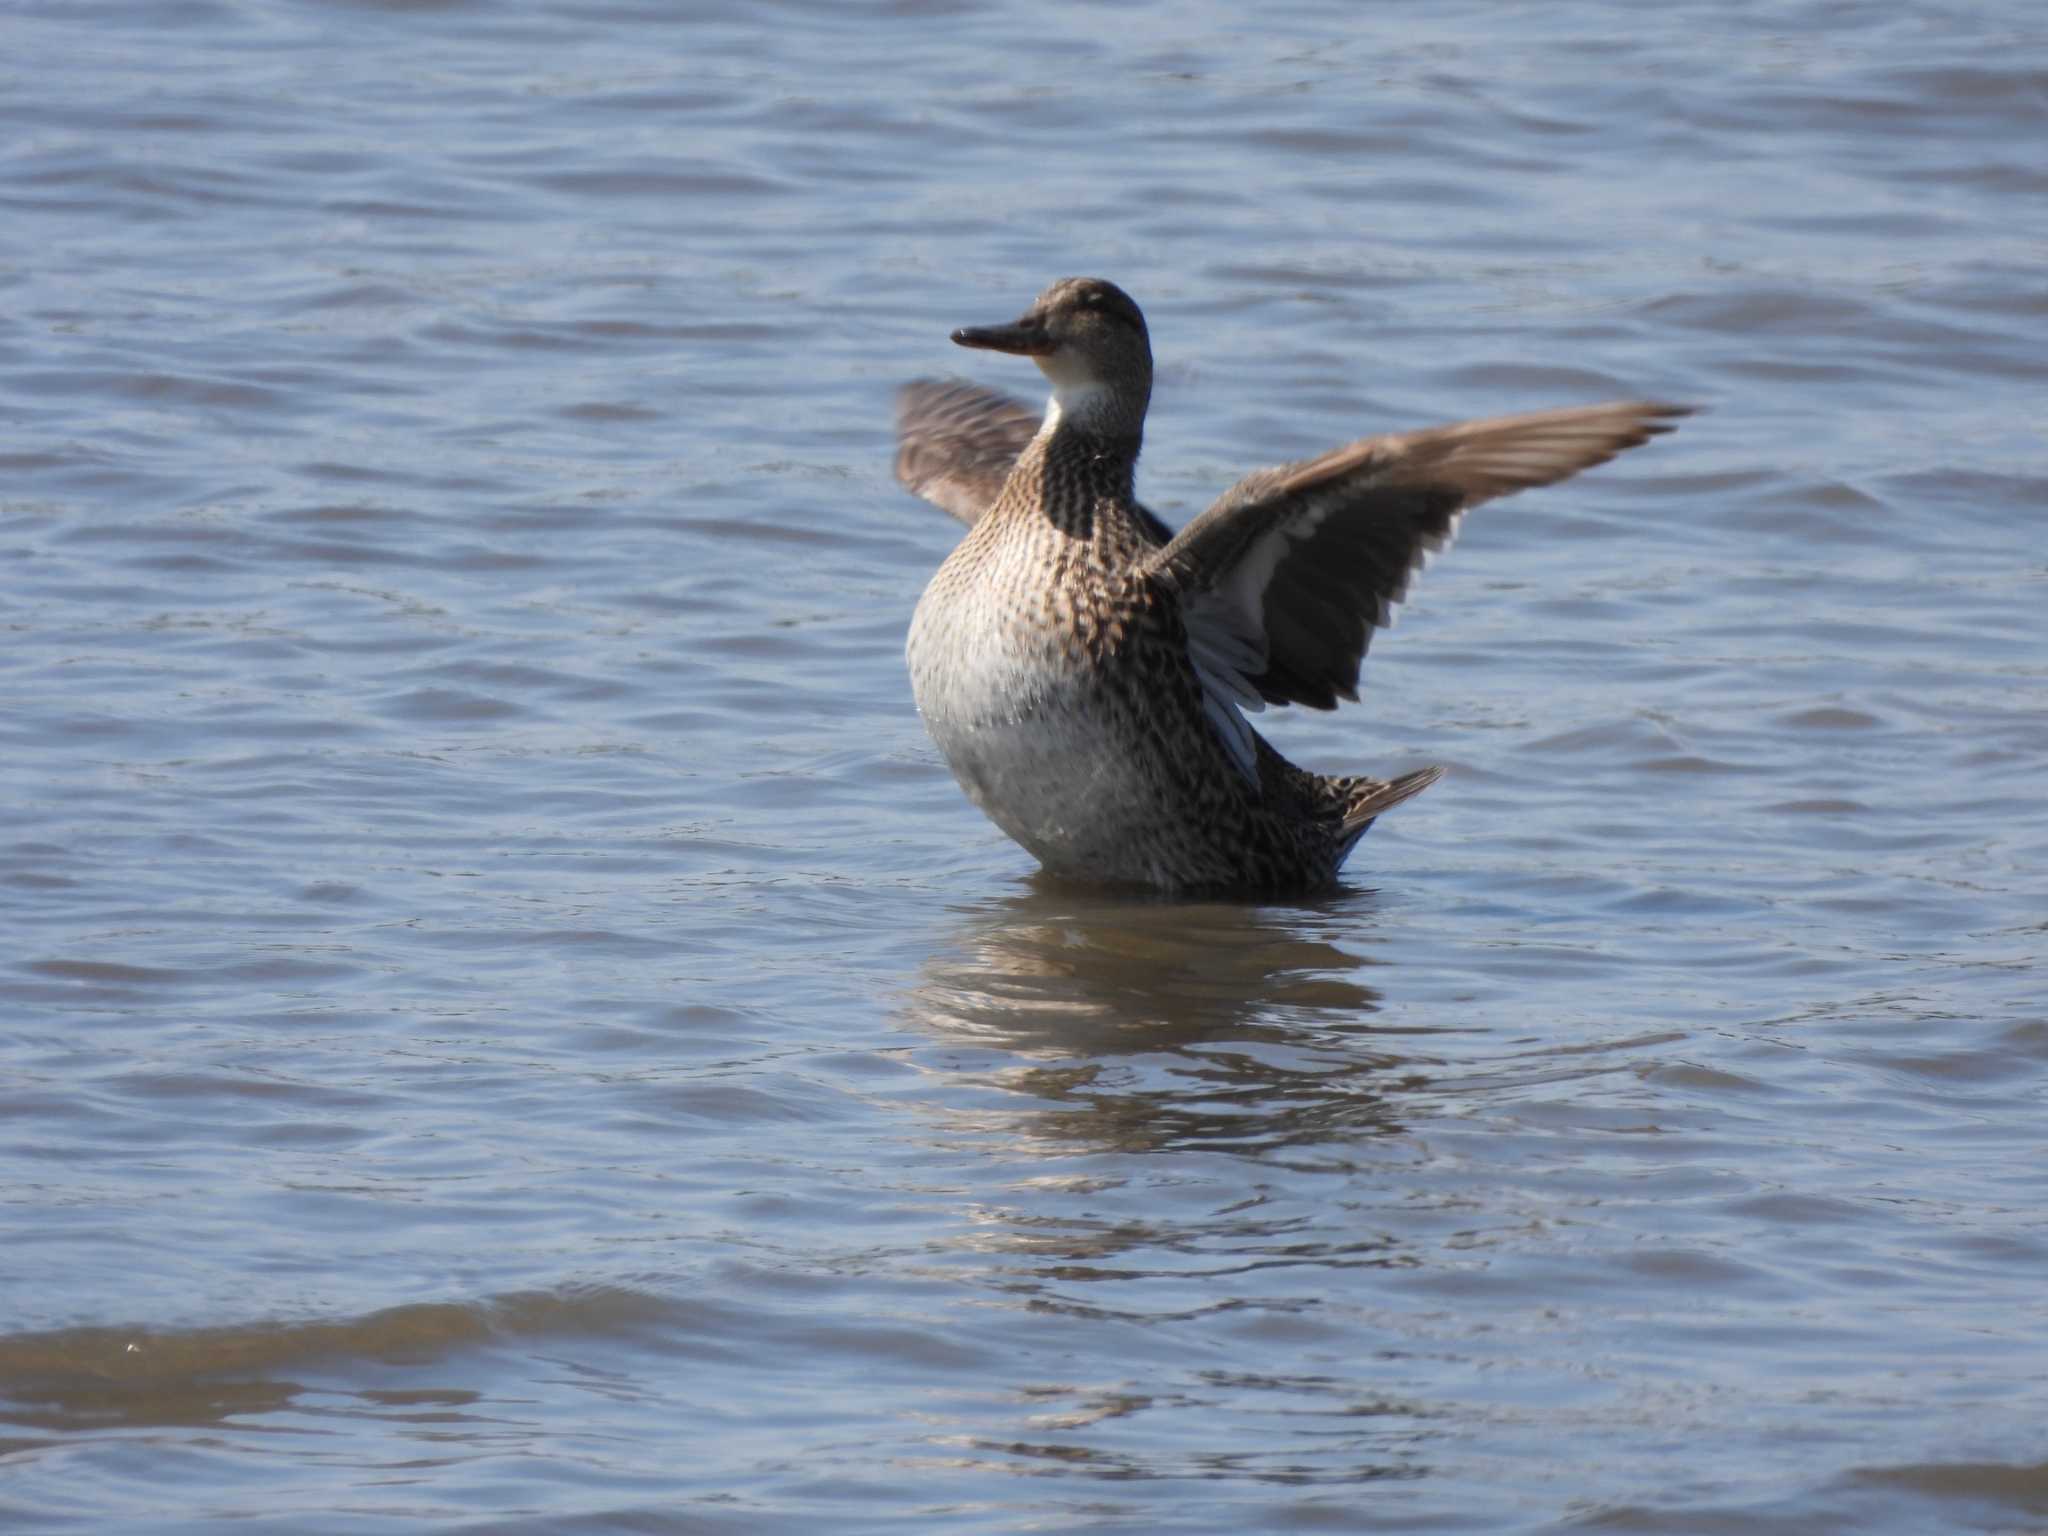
<point>1089,339</point>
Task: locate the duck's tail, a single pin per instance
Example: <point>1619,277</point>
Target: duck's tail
<point>1369,797</point>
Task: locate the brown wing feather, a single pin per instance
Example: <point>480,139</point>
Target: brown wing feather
<point>955,442</point>
<point>1284,579</point>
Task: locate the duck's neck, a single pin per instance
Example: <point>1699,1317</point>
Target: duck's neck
<point>1083,459</point>
<point>1093,426</point>
<point>1097,409</point>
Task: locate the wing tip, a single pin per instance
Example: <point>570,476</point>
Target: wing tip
<point>1661,416</point>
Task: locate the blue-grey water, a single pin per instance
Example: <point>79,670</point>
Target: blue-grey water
<point>507,1025</point>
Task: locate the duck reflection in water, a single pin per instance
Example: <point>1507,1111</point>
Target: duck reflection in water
<point>1171,1024</point>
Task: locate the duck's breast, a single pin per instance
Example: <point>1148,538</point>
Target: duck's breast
<point>1047,713</point>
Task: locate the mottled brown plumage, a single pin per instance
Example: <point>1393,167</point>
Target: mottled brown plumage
<point>1084,670</point>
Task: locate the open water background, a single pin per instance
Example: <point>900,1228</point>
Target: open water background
<point>506,1025</point>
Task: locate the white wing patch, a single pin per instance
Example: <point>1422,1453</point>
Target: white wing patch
<point>1225,657</point>
<point>1234,730</point>
<point>1227,637</point>
<point>1431,551</point>
<point>1227,626</point>
<point>1246,590</point>
<point>1226,660</point>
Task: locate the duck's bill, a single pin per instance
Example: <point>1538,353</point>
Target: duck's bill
<point>1025,337</point>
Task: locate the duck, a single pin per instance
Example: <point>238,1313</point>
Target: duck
<point>1086,671</point>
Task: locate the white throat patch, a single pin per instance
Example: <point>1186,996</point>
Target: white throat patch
<point>1073,401</point>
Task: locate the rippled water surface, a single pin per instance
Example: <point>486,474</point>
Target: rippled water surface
<point>509,1026</point>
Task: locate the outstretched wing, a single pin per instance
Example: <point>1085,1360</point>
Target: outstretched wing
<point>955,442</point>
<point>1284,579</point>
